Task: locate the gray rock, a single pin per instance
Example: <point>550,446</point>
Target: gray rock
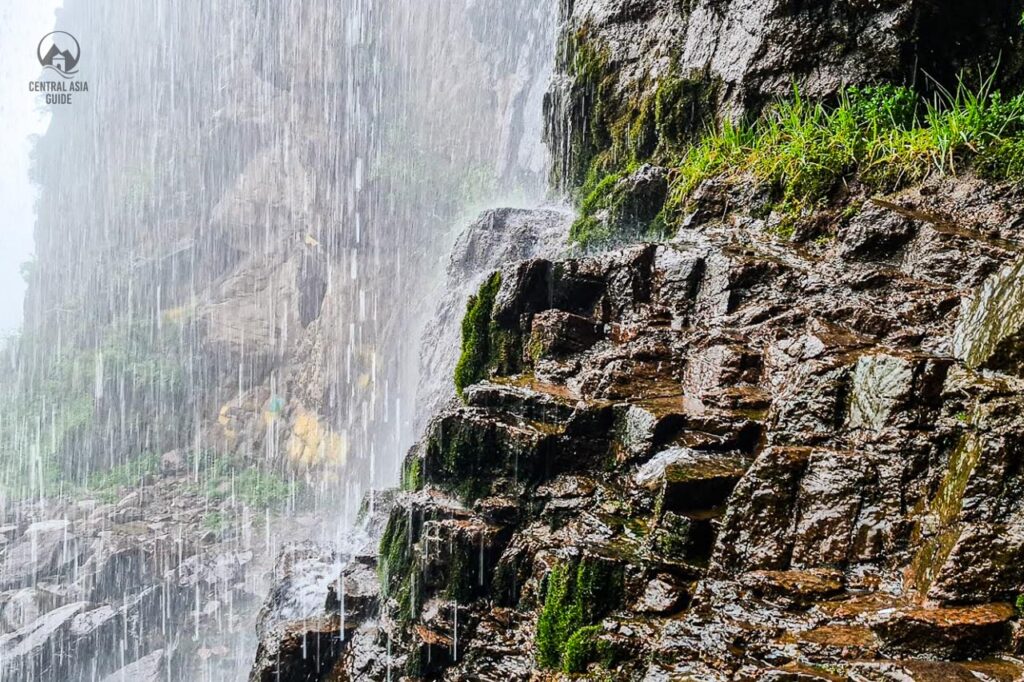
<point>33,652</point>
<point>149,668</point>
<point>46,547</point>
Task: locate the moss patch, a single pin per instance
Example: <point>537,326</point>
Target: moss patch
<point>462,456</point>
<point>487,348</point>
<point>612,130</point>
<point>476,325</point>
<point>395,566</point>
<point>412,474</point>
<point>577,596</point>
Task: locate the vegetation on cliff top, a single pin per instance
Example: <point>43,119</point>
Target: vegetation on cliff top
<point>882,137</point>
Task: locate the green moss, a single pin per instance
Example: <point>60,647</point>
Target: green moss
<point>461,457</point>
<point>577,596</point>
<point>580,649</point>
<point>463,583</point>
<point>473,359</point>
<point>412,474</point>
<point>395,567</point>
<point>683,107</point>
<point>506,350</point>
<point>650,123</point>
<point>485,346</point>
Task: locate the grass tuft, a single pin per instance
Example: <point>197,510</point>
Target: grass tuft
<point>885,137</point>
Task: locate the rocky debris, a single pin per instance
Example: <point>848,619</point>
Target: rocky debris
<point>103,583</point>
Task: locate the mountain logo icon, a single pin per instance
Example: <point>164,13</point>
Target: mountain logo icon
<point>60,52</point>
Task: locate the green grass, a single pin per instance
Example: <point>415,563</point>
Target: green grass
<point>221,477</point>
<point>108,485</point>
<point>216,521</point>
<point>883,137</point>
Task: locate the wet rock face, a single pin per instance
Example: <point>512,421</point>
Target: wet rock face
<point>730,456</point>
<point>759,48</point>
<point>496,238</point>
<point>988,334</point>
<point>714,461</point>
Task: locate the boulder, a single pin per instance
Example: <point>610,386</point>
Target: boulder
<point>34,651</point>
<point>46,548</point>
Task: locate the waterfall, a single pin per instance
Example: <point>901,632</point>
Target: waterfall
<point>239,230</point>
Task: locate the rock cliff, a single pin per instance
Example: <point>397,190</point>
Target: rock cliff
<point>739,452</point>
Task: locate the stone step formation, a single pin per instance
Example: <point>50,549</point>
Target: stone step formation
<point>722,458</point>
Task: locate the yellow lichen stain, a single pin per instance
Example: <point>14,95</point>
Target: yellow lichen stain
<point>311,444</point>
<point>176,315</point>
<point>224,418</point>
<point>946,507</point>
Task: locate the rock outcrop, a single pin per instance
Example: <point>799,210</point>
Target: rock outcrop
<point>735,453</point>
<point>726,457</point>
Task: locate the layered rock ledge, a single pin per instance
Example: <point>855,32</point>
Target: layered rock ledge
<point>724,457</point>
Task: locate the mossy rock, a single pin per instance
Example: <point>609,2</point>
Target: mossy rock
<point>577,595</point>
<point>488,348</point>
<point>468,451</point>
